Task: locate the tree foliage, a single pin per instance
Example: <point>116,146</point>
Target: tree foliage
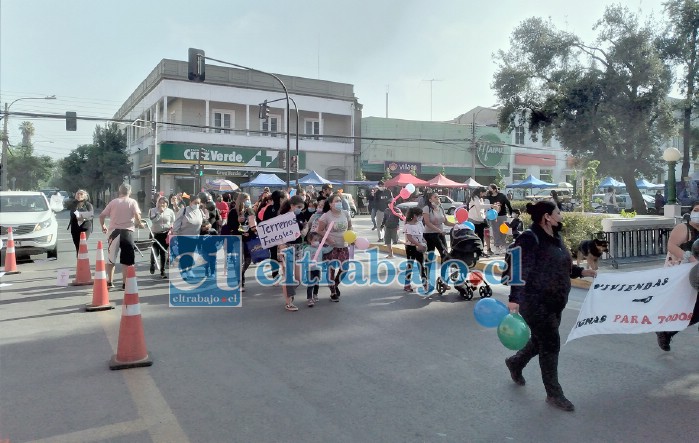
<point>604,101</point>
<point>99,166</point>
<point>26,171</point>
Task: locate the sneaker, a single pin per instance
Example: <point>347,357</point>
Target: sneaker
<point>152,268</point>
<point>374,228</point>
<point>242,289</point>
<point>335,298</point>
<point>291,307</point>
<point>163,276</point>
<point>311,303</point>
<point>561,402</point>
<point>664,341</point>
<point>315,298</point>
<point>516,374</point>
<point>408,289</point>
<point>380,240</point>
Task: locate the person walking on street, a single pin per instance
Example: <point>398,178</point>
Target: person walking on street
<point>162,219</point>
<point>504,208</point>
<point>476,213</point>
<point>390,225</point>
<point>610,201</point>
<point>546,269</point>
<point>81,215</point>
<point>414,247</point>
<point>124,216</point>
<point>241,221</point>
<point>372,207</point>
<point>278,198</point>
<point>382,198</point>
<point>659,202</point>
<point>336,238</point>
<point>435,219</point>
<point>679,250</point>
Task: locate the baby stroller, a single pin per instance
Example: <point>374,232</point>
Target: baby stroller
<point>467,247</point>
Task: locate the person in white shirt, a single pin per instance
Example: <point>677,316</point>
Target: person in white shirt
<point>162,218</point>
<point>189,218</point>
<point>610,201</point>
<point>415,246</point>
<point>476,213</point>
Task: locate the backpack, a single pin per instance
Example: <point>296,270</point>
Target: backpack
<point>506,276</point>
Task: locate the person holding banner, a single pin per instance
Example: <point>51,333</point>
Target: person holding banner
<point>278,198</point>
<point>341,222</point>
<point>295,205</point>
<point>544,275</point>
<point>679,250</point>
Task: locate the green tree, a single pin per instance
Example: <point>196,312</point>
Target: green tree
<point>606,101</point>
<point>679,45</point>
<point>26,171</point>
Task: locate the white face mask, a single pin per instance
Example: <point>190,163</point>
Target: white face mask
<point>694,217</point>
<point>315,244</point>
<point>419,218</point>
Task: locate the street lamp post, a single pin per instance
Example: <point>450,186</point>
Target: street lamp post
<point>3,183</point>
<point>672,156</point>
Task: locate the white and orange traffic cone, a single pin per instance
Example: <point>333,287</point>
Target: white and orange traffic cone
<point>100,293</point>
<point>10,256</point>
<point>83,276</point>
<point>131,348</point>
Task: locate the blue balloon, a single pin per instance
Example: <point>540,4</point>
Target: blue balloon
<point>469,225</point>
<point>489,312</point>
<point>492,214</point>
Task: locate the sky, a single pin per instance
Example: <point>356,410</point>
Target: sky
<point>92,54</point>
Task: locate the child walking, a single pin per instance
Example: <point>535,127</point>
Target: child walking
<point>515,224</point>
<point>414,246</point>
<point>314,274</point>
<point>390,225</point>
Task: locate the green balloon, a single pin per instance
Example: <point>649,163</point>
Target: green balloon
<point>513,332</point>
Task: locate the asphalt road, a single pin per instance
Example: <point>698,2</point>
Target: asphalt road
<point>380,366</point>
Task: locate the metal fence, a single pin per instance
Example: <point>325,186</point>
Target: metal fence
<point>637,244</point>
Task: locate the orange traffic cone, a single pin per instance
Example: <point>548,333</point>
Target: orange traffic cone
<point>83,276</point>
<point>131,348</point>
<point>100,293</point>
<point>10,257</point>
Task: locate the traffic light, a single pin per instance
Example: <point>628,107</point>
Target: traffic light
<point>196,69</point>
<point>282,160</point>
<point>264,111</point>
<point>294,163</point>
<point>71,121</point>
<point>193,170</point>
<point>201,171</point>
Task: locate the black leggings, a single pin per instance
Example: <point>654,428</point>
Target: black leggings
<point>480,231</point>
<point>411,253</point>
<point>76,238</point>
<point>436,240</point>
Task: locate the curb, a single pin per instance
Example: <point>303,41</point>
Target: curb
<point>581,283</point>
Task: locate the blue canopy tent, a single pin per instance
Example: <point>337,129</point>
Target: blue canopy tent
<point>313,178</point>
<point>263,180</point>
<point>642,183</point>
<point>532,182</point>
<point>611,182</point>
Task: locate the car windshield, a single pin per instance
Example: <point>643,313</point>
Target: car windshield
<point>23,203</point>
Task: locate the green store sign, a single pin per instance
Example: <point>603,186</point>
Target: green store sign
<point>489,150</point>
<point>225,156</point>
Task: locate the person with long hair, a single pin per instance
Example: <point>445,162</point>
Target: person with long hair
<point>414,246</point>
<point>162,218</point>
<point>81,215</point>
<point>341,223</point>
<point>546,268</point>
<point>241,221</point>
<point>434,219</point>
<point>278,198</point>
<point>476,213</point>
<point>555,199</point>
<point>295,205</point>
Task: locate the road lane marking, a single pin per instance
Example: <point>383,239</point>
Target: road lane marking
<point>99,434</point>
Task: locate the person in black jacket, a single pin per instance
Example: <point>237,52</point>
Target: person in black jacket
<point>278,199</point>
<point>546,269</point>
<point>504,208</point>
<point>382,198</point>
<point>81,215</point>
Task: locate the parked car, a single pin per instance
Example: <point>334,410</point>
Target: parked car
<point>446,202</point>
<point>624,202</point>
<point>350,201</point>
<point>564,194</point>
<point>33,222</point>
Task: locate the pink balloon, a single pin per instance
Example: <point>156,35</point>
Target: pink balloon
<point>404,193</point>
<point>461,215</point>
<point>361,243</point>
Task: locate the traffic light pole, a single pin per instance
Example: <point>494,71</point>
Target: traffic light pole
<point>288,113</point>
<point>296,108</point>
<point>199,173</point>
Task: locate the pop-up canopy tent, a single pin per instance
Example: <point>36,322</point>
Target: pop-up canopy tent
<point>440,181</point>
<point>313,178</point>
<point>610,182</point>
<point>471,183</point>
<point>403,179</point>
<point>531,182</point>
<point>263,180</point>
<point>642,183</point>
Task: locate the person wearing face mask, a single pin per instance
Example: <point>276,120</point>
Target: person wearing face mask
<point>679,250</point>
<point>189,218</point>
<point>546,268</point>
<point>415,246</point>
<point>81,215</point>
<point>341,223</point>
<point>278,198</point>
<point>241,221</point>
<point>162,218</point>
<point>476,213</point>
<point>382,198</point>
<point>314,272</point>
<point>295,205</point>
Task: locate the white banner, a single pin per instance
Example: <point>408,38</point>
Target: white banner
<point>636,302</point>
<point>278,230</point>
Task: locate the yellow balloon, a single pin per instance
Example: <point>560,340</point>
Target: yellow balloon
<point>349,236</point>
<point>504,228</point>
<point>451,219</point>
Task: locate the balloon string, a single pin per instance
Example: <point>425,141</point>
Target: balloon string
<point>397,214</point>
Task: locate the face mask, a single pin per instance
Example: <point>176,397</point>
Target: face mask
<point>419,219</point>
<point>315,244</point>
<point>311,210</point>
<point>381,188</point>
<point>694,217</point>
<point>247,204</point>
<point>338,206</point>
<point>558,227</point>
<point>297,211</point>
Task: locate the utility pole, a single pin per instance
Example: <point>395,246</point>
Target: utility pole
<point>4,170</point>
<point>432,80</point>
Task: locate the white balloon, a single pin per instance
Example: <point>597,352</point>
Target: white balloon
<point>410,187</point>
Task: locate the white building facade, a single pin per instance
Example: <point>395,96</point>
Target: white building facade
<point>178,121</point>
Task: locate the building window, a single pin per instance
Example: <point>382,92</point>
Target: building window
<point>313,128</point>
<point>518,174</point>
<point>222,120</point>
<point>172,118</point>
<point>271,126</point>
<point>546,175</point>
<point>519,135</point>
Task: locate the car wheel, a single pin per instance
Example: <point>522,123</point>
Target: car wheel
<point>52,253</point>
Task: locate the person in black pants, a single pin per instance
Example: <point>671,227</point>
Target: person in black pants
<point>81,214</point>
<point>241,221</point>
<point>546,268</point>
<point>162,219</point>
<point>278,198</point>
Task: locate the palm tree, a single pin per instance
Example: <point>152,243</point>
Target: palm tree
<point>27,129</point>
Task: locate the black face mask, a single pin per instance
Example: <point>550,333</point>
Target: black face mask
<point>558,227</point>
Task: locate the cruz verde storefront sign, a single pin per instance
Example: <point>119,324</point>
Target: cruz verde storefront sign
<point>225,156</point>
<point>489,150</point>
